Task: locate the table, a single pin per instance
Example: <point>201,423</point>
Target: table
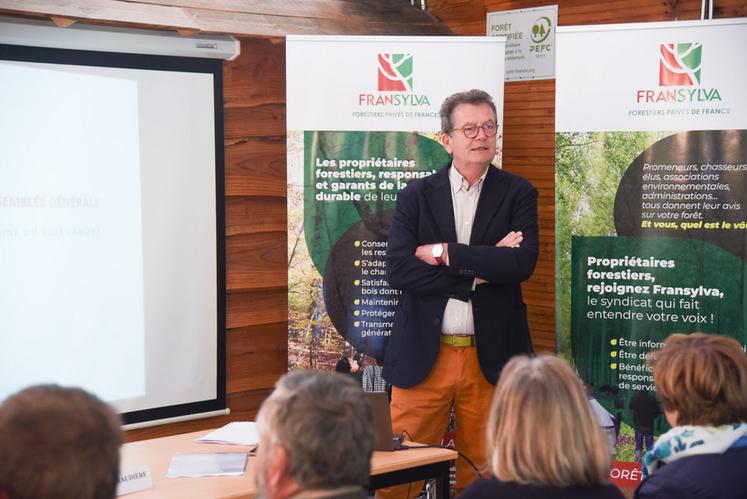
<point>387,468</point>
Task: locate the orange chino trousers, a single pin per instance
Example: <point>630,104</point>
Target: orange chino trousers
<point>423,411</point>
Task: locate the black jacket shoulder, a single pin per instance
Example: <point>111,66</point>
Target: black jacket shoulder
<point>491,488</point>
<point>708,476</point>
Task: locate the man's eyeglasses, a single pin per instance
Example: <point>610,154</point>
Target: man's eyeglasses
<point>471,131</point>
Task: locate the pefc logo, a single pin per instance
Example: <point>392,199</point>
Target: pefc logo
<point>679,64</point>
<point>541,29</point>
<point>395,72</point>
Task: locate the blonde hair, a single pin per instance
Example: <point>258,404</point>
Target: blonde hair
<point>703,377</point>
<point>542,430</point>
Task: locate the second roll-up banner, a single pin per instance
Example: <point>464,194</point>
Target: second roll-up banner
<point>651,174</point>
<point>362,119</point>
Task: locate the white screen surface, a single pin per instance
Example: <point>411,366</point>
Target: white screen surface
<point>108,232</point>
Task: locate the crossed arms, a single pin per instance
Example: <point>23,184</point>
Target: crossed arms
<point>411,266</point>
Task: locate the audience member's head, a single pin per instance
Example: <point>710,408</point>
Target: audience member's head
<point>316,434</point>
<point>701,379</point>
<point>58,443</point>
<point>542,430</point>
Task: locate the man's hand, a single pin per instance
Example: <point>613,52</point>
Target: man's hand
<point>512,240</point>
<point>425,253</point>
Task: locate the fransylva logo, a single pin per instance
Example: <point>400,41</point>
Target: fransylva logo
<point>395,72</point>
<point>679,66</point>
<point>395,83</point>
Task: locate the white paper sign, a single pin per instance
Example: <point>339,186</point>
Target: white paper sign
<point>134,480</point>
<point>530,41</point>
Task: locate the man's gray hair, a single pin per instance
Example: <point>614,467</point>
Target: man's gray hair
<point>474,96</point>
<point>324,423</point>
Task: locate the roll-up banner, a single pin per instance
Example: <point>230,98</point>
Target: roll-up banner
<point>362,118</point>
<point>651,215</point>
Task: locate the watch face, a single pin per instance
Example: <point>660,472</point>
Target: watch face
<point>437,250</point>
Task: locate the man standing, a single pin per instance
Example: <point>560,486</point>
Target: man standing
<point>645,409</point>
<point>461,242</point>
<point>316,438</point>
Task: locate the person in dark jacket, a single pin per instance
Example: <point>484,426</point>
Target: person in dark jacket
<point>645,411</point>
<point>543,439</point>
<point>701,380</point>
<point>461,242</point>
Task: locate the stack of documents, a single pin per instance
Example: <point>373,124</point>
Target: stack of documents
<point>239,433</point>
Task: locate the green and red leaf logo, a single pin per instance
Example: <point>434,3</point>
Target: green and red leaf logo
<point>679,64</point>
<point>395,72</point>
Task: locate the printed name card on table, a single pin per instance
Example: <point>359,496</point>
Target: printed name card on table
<point>134,480</point>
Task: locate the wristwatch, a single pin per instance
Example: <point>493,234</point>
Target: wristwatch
<point>437,251</point>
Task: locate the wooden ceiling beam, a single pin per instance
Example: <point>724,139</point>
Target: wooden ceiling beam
<point>252,18</point>
<point>107,11</point>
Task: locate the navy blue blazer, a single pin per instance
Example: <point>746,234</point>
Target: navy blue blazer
<point>425,215</point>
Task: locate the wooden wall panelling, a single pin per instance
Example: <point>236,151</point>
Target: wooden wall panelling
<point>255,166</point>
<point>256,355</point>
<point>256,260</point>
<point>531,105</point>
<point>256,249</point>
<point>252,308</point>
<point>255,214</point>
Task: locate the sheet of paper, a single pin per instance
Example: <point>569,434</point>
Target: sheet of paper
<point>207,464</point>
<point>237,433</point>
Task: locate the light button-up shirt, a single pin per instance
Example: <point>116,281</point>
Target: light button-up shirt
<point>458,318</point>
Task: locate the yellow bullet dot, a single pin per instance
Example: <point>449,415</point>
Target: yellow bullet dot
<point>357,313</point>
<point>613,354</point>
<point>357,301</point>
<point>356,324</point>
<point>357,282</point>
<point>613,341</point>
<point>613,366</point>
<point>357,243</point>
<point>357,263</point>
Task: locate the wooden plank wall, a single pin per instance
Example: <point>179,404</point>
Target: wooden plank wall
<point>529,115</point>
